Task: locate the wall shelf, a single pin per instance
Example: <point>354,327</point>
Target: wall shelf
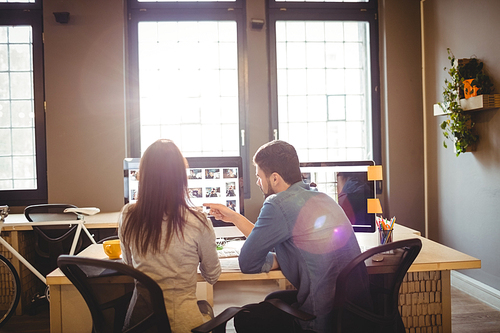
<point>476,103</point>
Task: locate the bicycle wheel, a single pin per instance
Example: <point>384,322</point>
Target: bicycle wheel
<point>10,290</point>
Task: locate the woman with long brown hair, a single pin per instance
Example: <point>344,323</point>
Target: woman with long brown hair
<point>162,236</point>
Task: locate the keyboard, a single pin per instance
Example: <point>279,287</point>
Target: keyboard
<point>228,253</point>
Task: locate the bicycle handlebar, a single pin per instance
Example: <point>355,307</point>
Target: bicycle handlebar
<point>4,211</point>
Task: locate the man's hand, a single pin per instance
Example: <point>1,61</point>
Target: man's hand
<point>221,212</point>
<point>276,265</point>
<point>226,214</point>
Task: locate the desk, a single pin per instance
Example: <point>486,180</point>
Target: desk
<point>425,295</point>
<point>98,221</point>
<point>23,241</point>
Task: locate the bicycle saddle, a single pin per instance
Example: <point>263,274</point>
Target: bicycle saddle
<point>85,211</point>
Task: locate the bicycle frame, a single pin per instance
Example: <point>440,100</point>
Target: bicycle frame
<point>80,223</point>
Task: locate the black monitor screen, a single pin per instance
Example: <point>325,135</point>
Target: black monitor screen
<point>210,180</point>
<point>347,183</point>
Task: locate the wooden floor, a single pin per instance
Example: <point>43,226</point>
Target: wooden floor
<point>468,314</point>
<point>38,323</point>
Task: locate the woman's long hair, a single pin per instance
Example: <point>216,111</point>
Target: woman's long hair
<point>162,197</point>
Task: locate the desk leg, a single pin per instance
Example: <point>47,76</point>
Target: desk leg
<point>282,284</point>
<point>446,300</point>
<point>14,241</point>
<point>205,290</point>
<point>55,309</point>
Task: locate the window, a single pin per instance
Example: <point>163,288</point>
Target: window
<point>187,77</point>
<point>190,99</point>
<point>324,95</point>
<point>17,1</point>
<point>22,123</point>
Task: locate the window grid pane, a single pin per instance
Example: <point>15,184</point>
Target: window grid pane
<point>17,127</point>
<point>188,79</point>
<point>323,87</point>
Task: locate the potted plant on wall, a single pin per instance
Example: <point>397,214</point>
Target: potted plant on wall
<point>467,79</point>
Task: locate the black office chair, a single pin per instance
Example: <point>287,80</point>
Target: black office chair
<point>87,275</point>
<point>366,293</point>
<point>52,241</point>
<point>218,324</point>
<point>112,237</point>
<point>386,266</point>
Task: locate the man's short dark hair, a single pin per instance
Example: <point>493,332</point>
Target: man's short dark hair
<point>280,157</point>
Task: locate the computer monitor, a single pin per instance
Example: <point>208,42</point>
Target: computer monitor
<point>131,184</point>
<point>347,183</point>
<point>210,180</point>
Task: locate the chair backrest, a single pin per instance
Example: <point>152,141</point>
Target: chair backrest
<point>376,310</point>
<point>112,237</point>
<point>89,277</point>
<point>53,240</point>
<point>49,212</point>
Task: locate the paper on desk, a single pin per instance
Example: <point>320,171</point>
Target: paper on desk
<point>229,265</point>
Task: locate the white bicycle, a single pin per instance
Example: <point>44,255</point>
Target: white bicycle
<point>10,288</point>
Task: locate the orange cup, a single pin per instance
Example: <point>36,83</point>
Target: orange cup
<point>112,248</point>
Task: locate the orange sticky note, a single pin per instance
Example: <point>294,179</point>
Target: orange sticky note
<point>375,172</point>
<point>374,207</point>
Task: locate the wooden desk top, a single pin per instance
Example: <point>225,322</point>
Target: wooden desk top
<point>96,251</point>
<point>438,257</point>
<point>98,221</point>
<point>432,257</point>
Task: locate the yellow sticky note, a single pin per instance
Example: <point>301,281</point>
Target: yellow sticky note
<point>375,172</point>
<point>374,207</point>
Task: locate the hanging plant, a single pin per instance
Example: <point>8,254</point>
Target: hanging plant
<point>471,70</point>
<point>459,127</point>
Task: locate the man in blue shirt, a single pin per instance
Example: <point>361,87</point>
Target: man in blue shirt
<point>303,232</point>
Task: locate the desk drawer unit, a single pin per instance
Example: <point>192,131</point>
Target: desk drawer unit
<point>420,302</point>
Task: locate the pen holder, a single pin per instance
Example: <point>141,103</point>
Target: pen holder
<point>385,236</point>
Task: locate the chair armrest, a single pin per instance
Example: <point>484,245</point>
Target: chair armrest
<point>285,307</point>
<point>218,324</point>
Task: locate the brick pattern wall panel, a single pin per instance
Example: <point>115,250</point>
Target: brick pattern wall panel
<point>420,303</point>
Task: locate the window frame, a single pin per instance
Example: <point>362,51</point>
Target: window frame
<point>184,11</point>
<point>320,11</point>
<point>31,14</point>
<point>195,5</point>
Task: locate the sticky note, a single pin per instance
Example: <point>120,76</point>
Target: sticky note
<point>374,207</point>
<point>375,172</point>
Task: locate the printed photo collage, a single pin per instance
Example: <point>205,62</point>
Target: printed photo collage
<point>133,186</point>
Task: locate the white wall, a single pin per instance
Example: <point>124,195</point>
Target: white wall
<point>85,94</point>
<point>464,191</point>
